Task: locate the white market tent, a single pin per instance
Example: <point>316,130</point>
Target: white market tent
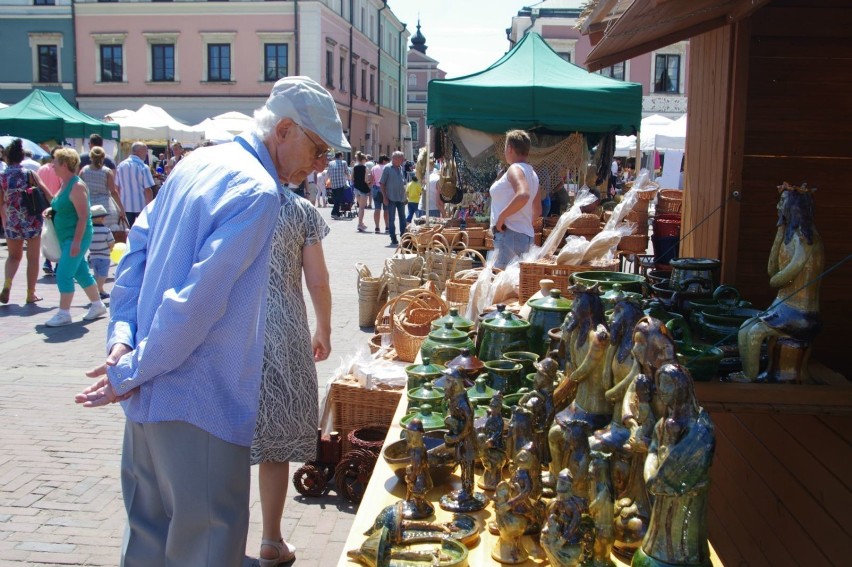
<point>153,125</point>
<point>650,126</point>
<point>3,105</point>
<point>213,132</point>
<point>673,137</point>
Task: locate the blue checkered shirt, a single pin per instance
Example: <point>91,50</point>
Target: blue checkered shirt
<point>190,293</point>
<point>338,172</point>
<point>132,177</point>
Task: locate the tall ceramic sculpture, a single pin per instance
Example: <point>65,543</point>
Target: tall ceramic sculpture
<point>632,506</point>
<point>462,438</point>
<point>600,509</point>
<point>511,523</point>
<point>590,404</point>
<point>795,261</point>
<point>677,469</point>
<point>417,479</point>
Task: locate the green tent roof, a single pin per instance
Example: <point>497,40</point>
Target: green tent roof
<point>46,116</point>
<point>533,87</point>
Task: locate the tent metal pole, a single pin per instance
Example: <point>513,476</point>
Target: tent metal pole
<point>425,182</point>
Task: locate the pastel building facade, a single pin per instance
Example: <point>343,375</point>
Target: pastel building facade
<point>662,72</point>
<point>38,36</point>
<point>197,59</point>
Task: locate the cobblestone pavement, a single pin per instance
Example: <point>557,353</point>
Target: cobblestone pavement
<point>60,497</point>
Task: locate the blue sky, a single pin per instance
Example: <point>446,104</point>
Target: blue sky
<point>464,36</point>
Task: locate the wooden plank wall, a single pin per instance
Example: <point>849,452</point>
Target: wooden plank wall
<point>705,179</point>
<point>798,128</point>
<point>780,491</point>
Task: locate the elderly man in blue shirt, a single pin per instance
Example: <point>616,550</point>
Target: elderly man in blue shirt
<point>185,339</point>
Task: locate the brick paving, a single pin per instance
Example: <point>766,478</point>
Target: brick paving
<point>60,495</point>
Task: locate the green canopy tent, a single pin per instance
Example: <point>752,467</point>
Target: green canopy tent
<point>43,116</point>
<point>533,87</point>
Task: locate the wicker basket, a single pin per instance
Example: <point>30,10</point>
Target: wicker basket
<point>533,272</point>
<point>458,292</point>
<point>354,407</point>
<point>406,343</point>
<point>586,221</point>
<point>640,219</point>
<point>634,243</point>
<point>669,201</point>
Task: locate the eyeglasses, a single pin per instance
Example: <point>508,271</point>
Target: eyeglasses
<point>322,147</point>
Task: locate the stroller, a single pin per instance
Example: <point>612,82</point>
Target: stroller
<point>347,205</point>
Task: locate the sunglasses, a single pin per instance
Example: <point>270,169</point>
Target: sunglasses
<point>321,147</point>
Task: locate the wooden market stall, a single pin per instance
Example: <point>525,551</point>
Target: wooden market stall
<point>769,102</point>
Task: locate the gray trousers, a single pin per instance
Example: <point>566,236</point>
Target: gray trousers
<point>186,493</point>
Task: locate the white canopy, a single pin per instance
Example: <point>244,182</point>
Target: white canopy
<point>234,122</point>
<point>152,124</point>
<point>673,137</point>
<point>3,105</point>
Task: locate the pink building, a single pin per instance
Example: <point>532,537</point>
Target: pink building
<point>197,59</point>
<point>662,72</point>
<point>421,70</point>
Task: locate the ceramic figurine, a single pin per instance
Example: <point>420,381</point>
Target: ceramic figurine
<point>417,479</point>
<point>590,404</point>
<point>565,527</point>
<point>601,510</point>
<point>543,411</point>
<point>525,478</point>
<point>521,431</point>
<point>795,262</point>
<point>462,438</point>
<point>492,447</point>
<point>677,468</point>
<point>511,522</point>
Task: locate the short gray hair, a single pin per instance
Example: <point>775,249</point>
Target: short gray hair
<point>397,154</point>
<point>138,146</point>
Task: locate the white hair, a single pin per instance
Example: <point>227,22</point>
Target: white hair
<point>265,121</point>
<point>397,154</point>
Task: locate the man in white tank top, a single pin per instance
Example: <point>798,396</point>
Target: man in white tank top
<point>514,202</point>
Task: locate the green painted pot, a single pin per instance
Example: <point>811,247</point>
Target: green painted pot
<point>700,359</point>
<point>443,345</point>
<point>459,322</point>
<point>426,394</point>
<point>504,333</point>
<point>545,314</point>
<point>420,374</point>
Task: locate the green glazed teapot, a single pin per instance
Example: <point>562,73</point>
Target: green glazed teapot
<point>426,394</point>
<point>431,420</point>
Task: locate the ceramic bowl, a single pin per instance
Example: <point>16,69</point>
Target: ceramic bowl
<point>629,282</point>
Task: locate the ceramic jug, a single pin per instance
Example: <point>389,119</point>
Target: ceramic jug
<point>504,333</point>
<point>545,314</point>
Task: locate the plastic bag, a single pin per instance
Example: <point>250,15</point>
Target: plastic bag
<point>603,245</point>
<point>50,241</point>
<point>573,251</point>
<point>583,198</point>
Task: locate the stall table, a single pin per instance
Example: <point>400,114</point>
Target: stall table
<point>385,489</point>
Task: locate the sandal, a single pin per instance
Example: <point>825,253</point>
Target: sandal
<point>286,553</point>
<point>4,295</point>
<point>32,297</point>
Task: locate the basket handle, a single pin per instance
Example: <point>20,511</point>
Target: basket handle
<point>465,252</point>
